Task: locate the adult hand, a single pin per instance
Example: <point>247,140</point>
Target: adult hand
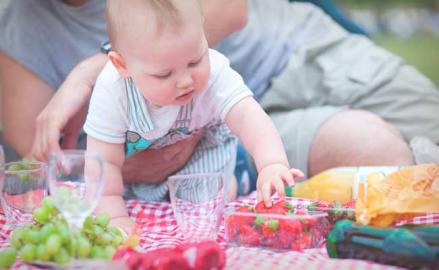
<point>67,109</point>
<point>152,166</point>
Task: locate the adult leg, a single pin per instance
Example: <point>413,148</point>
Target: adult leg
<point>357,138</point>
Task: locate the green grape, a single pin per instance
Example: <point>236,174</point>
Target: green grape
<point>115,231</point>
<point>84,247</point>
<point>103,220</point>
<point>88,223</point>
<point>41,215</point>
<point>32,236</point>
<point>15,167</point>
<point>53,244</point>
<point>64,232</point>
<point>49,204</point>
<point>47,230</point>
<point>73,246</point>
<point>62,257</point>
<point>117,241</point>
<point>96,230</point>
<point>41,253</point>
<point>109,252</point>
<point>7,257</point>
<point>97,252</point>
<point>104,239</point>
<point>28,252</point>
<point>17,238</point>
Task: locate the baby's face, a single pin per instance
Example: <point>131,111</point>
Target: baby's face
<point>170,68</point>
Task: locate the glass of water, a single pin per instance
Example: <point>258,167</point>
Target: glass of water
<point>198,203</point>
<point>23,187</point>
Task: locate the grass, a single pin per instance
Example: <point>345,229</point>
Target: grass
<point>420,51</point>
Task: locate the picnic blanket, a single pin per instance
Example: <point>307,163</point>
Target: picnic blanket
<point>159,229</point>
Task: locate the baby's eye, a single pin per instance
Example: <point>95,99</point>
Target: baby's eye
<point>195,63</point>
<point>163,76</point>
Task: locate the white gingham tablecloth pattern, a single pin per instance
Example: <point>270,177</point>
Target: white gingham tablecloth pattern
<point>159,229</point>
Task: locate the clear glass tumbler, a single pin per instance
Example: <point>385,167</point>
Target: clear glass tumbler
<point>198,203</point>
<point>23,187</point>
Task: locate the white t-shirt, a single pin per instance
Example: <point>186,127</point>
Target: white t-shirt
<point>108,117</point>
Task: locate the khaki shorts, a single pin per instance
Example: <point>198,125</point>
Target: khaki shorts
<point>349,74</point>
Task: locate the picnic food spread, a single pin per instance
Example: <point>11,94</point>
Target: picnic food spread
<point>383,200</point>
<point>404,194</point>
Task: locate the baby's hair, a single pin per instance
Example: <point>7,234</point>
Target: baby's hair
<point>159,13</point>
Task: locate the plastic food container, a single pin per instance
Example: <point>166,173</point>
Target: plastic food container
<point>336,210</point>
<point>290,229</point>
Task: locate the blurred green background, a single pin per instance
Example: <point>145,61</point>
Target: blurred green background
<point>409,28</point>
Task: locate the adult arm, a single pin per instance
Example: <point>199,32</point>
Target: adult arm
<point>67,109</point>
<point>24,95</point>
<point>61,115</point>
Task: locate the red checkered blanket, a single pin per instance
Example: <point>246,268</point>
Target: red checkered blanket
<point>159,229</point>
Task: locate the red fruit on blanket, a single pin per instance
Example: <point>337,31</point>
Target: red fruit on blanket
<point>204,256</point>
<point>194,256</point>
<point>164,259</point>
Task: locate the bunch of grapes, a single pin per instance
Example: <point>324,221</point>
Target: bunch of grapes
<point>49,239</point>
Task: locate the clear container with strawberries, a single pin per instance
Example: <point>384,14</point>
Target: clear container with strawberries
<point>285,226</point>
<point>336,210</point>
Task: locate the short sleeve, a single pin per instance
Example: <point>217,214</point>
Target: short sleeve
<point>106,118</point>
<point>226,87</point>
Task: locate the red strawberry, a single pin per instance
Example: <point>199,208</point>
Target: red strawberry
<point>248,236</point>
<point>245,209</point>
<point>270,227</point>
<point>296,246</point>
<point>278,208</point>
<point>306,240</point>
<point>350,204</point>
<point>290,226</point>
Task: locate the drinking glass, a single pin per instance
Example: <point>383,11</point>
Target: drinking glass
<point>23,186</point>
<point>198,202</point>
<point>75,183</point>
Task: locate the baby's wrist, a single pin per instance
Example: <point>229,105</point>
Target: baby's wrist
<point>273,165</point>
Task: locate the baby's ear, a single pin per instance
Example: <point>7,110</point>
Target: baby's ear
<point>119,63</point>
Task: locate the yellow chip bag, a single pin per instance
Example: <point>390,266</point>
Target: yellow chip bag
<point>404,194</point>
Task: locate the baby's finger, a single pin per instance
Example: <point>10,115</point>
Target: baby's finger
<point>266,194</point>
<point>288,178</point>
<point>279,187</point>
<point>297,173</point>
<point>259,196</point>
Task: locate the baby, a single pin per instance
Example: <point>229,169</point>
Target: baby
<point>162,84</point>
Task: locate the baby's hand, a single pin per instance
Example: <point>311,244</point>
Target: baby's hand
<point>271,178</point>
<point>124,223</point>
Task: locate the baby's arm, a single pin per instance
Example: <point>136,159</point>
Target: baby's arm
<point>111,201</point>
<point>253,126</point>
